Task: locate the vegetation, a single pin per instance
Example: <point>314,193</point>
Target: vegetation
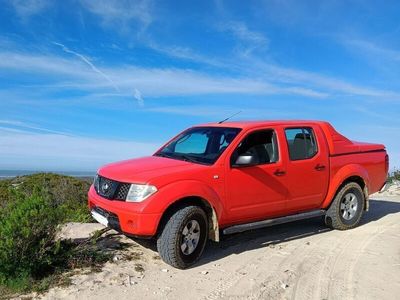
<point>31,210</point>
<point>395,175</point>
<point>64,192</point>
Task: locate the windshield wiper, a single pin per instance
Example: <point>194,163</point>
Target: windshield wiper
<point>164,155</point>
<point>180,157</point>
<point>188,158</point>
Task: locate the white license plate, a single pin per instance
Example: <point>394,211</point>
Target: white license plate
<point>99,218</point>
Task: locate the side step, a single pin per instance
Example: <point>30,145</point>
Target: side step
<point>275,221</point>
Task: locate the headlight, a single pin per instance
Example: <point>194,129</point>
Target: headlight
<point>139,192</point>
<point>96,182</point>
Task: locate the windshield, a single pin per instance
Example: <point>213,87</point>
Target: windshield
<point>200,144</point>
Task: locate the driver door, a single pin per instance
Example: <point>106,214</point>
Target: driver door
<point>257,191</point>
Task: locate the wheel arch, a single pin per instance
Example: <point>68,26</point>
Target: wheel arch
<point>213,227</point>
<point>349,173</point>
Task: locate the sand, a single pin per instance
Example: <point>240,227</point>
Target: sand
<point>301,260</point>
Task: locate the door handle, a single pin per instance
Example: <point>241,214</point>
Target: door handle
<point>279,173</point>
<point>319,167</point>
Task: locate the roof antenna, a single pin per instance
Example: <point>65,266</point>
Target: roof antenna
<point>220,122</point>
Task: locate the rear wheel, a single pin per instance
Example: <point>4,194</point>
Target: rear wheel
<point>184,237</point>
<point>347,208</point>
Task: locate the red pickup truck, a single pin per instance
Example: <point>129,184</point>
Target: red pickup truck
<point>234,176</point>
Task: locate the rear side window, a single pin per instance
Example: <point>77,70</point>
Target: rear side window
<point>301,143</point>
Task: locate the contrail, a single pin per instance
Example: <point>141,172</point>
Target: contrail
<point>28,126</point>
<point>138,96</point>
<point>85,60</point>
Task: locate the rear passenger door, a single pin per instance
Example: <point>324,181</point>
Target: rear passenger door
<point>307,168</point>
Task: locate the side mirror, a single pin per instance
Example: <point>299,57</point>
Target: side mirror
<point>245,160</point>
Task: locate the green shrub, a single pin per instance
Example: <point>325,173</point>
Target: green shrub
<point>28,227</point>
<point>30,256</point>
<point>395,175</point>
<point>31,210</point>
<point>65,191</point>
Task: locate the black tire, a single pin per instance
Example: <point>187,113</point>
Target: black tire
<point>345,213</point>
<point>172,238</point>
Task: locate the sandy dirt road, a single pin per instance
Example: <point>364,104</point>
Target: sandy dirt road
<point>301,260</point>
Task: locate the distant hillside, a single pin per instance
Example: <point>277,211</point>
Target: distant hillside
<point>61,190</point>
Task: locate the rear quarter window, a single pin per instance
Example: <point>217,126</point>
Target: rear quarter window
<point>301,143</point>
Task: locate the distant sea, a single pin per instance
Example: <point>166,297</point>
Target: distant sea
<point>4,174</point>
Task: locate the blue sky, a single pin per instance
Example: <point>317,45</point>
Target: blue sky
<point>85,82</point>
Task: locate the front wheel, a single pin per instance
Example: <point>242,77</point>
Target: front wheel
<point>184,237</point>
<point>346,209</point>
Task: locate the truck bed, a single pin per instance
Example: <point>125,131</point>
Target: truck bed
<point>340,145</point>
<point>346,153</point>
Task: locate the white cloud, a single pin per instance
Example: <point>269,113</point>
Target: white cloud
<point>44,151</point>
<point>42,64</point>
<point>155,82</point>
<point>249,39</point>
<point>261,79</point>
<point>373,50</point>
<point>242,32</point>
<point>120,14</point>
<point>217,113</point>
<point>27,8</point>
<point>169,82</point>
<point>186,53</point>
<point>329,84</point>
<point>11,122</point>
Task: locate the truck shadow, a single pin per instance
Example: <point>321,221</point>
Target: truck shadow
<point>271,236</point>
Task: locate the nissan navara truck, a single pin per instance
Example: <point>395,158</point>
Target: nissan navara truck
<point>223,178</point>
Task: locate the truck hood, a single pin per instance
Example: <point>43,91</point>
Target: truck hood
<point>146,169</point>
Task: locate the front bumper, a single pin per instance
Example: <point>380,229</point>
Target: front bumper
<point>128,218</point>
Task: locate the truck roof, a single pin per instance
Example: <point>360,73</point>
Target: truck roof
<point>338,144</point>
<point>254,124</point>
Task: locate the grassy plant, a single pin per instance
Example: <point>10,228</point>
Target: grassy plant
<point>65,191</point>
<point>28,226</point>
<point>31,210</point>
<point>395,175</point>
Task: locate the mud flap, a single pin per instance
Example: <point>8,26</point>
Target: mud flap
<point>366,196</point>
<point>213,230</point>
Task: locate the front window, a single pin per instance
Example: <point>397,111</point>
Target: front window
<point>261,144</point>
<point>200,144</point>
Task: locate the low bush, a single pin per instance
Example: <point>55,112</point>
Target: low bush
<point>395,175</point>
<point>28,227</point>
<point>31,211</point>
<point>60,190</point>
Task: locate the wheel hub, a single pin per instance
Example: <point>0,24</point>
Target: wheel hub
<point>190,237</point>
<point>348,206</point>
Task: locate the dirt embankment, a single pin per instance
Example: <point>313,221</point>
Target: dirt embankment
<point>301,260</point>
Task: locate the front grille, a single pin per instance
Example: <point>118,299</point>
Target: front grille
<point>111,189</point>
<point>123,190</point>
